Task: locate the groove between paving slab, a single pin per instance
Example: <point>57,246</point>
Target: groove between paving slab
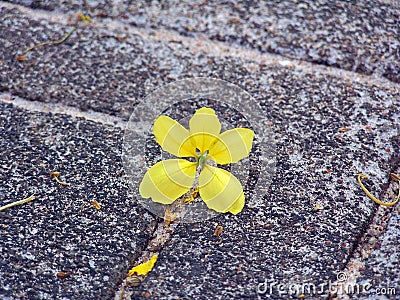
<point>155,245</point>
<point>198,44</point>
<point>362,251</point>
<point>62,109</point>
<point>160,234</point>
<point>367,241</point>
<point>206,45</point>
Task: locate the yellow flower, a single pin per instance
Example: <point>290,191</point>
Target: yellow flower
<point>169,179</point>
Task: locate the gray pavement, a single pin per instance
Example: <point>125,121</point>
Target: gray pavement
<point>361,36</point>
<point>57,232</point>
<point>330,124</point>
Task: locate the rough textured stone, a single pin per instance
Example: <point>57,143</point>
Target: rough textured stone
<point>328,129</point>
<point>361,36</point>
<point>94,69</point>
<point>60,231</point>
<point>314,212</point>
<point>381,273</point>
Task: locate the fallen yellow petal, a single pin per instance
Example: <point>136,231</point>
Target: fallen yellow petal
<point>84,18</point>
<point>144,268</point>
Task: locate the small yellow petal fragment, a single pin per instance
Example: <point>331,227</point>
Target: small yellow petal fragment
<point>83,18</point>
<point>144,268</point>
<point>190,198</point>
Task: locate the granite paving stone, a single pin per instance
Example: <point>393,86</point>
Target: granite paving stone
<point>361,36</point>
<point>380,272</point>
<point>328,128</point>
<point>93,69</point>
<point>307,225</point>
<point>60,231</point>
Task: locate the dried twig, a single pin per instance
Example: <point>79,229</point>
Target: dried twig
<point>30,198</point>
<point>63,39</point>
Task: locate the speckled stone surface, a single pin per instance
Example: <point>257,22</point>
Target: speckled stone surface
<point>94,69</point>
<point>326,134</point>
<point>361,36</point>
<point>381,270</point>
<point>328,129</point>
<point>60,231</point>
<point>91,70</point>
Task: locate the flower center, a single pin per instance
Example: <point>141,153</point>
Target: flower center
<point>201,158</point>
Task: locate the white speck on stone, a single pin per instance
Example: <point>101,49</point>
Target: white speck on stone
<point>33,231</point>
<point>285,63</point>
<point>91,263</point>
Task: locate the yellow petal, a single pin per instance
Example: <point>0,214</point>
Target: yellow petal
<point>232,146</point>
<point>204,128</point>
<point>173,137</point>
<point>144,268</point>
<point>220,190</point>
<point>168,180</point>
<point>237,206</point>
